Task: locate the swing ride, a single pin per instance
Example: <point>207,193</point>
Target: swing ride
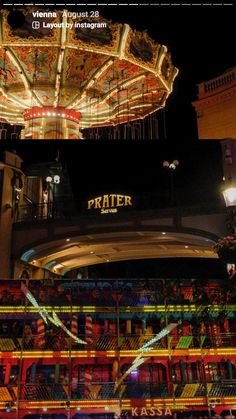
<point>65,76</point>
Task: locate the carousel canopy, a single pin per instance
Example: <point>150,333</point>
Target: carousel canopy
<point>85,70</point>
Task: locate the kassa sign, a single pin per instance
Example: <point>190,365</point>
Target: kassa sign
<point>153,411</point>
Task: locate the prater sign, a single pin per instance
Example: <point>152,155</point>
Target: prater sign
<point>152,411</point>
<point>109,203</point>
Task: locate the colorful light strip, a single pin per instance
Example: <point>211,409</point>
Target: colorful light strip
<point>125,403</point>
<point>51,112</point>
<point>161,353</point>
<point>134,309</point>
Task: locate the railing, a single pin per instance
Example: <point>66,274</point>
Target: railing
<point>111,342</point>
<point>150,204</point>
<point>222,388</point>
<point>103,391</point>
<point>81,391</point>
<point>103,298</point>
<point>218,83</point>
<point>34,212</point>
<point>44,211</point>
<point>58,343</point>
<point>112,293</point>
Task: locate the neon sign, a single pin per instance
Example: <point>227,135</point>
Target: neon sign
<point>153,411</point>
<point>110,203</point>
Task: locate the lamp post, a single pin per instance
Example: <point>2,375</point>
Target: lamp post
<point>171,167</point>
<point>52,181</point>
<point>229,194</point>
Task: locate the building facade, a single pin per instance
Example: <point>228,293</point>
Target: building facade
<point>188,372</point>
<point>216,107</point>
<point>103,349</point>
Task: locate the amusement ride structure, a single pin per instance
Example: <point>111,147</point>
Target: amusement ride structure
<point>70,74</point>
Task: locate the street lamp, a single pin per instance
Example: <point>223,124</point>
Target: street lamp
<point>52,180</point>
<point>171,167</point>
<point>229,194</point>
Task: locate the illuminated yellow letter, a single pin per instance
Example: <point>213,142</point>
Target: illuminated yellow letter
<point>119,201</point>
<point>90,203</point>
<point>128,201</point>
<point>143,412</point>
<point>112,200</point>
<point>105,202</point>
<point>134,411</point>
<point>98,202</point>
<point>152,412</point>
<point>168,411</point>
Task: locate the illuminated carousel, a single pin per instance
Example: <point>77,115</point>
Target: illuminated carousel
<point>78,72</point>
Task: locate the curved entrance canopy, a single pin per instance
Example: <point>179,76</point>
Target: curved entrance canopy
<point>67,253</point>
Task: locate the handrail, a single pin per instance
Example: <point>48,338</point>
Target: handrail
<point>106,390</point>
<point>108,341</point>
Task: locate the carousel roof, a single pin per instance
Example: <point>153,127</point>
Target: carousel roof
<point>108,72</point>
